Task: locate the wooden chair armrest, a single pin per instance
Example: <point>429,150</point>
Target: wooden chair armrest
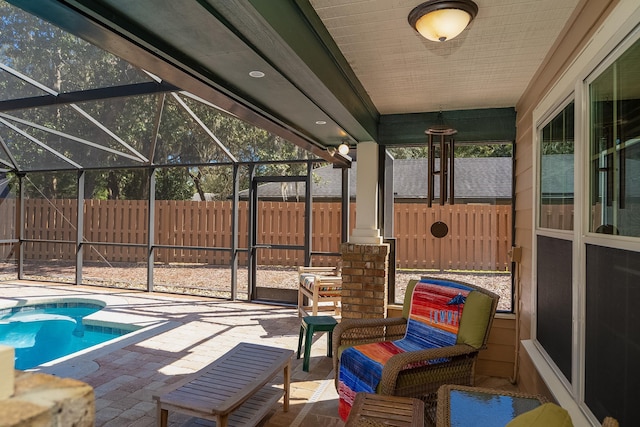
<point>331,270</point>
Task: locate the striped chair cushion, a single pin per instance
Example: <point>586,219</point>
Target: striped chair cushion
<point>307,280</point>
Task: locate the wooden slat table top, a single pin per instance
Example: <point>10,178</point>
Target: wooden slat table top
<point>375,409</point>
<point>226,383</point>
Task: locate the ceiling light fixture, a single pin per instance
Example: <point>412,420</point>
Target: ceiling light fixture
<point>256,74</point>
<point>441,20</point>
<point>343,149</point>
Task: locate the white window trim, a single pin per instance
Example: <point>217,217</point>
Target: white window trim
<point>545,231</point>
<point>619,25</point>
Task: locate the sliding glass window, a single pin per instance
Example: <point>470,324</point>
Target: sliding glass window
<point>615,152</point>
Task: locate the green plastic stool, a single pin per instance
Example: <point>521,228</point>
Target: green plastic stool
<point>311,325</point>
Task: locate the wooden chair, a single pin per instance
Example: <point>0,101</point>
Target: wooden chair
<point>420,373</point>
<point>319,285</point>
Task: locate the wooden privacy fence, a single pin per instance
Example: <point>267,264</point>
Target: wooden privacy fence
<point>7,228</point>
<point>557,216</point>
<point>479,235</point>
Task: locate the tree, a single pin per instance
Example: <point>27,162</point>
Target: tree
<point>62,63</point>
<point>160,128</point>
<point>466,150</point>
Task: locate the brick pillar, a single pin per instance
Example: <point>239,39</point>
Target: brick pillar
<point>364,280</point>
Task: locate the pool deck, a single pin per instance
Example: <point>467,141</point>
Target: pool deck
<point>182,335</point>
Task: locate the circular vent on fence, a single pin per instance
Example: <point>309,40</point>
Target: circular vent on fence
<point>439,229</point>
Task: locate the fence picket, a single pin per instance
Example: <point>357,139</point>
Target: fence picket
<point>479,235</point>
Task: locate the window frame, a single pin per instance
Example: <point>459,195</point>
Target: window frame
<point>610,239</point>
<point>560,107</point>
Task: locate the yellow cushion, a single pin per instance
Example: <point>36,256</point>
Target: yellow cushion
<point>475,318</point>
<point>547,415</point>
<point>408,293</point>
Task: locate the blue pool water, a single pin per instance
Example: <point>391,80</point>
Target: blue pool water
<point>44,332</point>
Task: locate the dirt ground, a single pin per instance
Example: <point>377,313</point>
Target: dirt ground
<point>214,281</point>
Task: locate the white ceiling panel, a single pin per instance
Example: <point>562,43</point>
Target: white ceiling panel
<point>489,65</point>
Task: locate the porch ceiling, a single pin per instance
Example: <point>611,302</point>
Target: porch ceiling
<point>356,65</point>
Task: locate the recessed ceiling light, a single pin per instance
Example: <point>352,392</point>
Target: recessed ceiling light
<point>256,74</point>
<point>321,122</point>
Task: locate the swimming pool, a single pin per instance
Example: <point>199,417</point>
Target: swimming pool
<point>50,330</point>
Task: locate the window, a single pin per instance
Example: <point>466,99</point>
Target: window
<point>615,152</point>
<point>556,171</point>
<point>585,340</point>
<point>554,270</point>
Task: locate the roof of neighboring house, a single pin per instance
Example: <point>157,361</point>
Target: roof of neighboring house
<point>558,181</point>
<point>557,175</point>
<point>479,178</point>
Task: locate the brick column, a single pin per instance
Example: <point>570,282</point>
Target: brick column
<point>364,280</point>
<point>47,400</point>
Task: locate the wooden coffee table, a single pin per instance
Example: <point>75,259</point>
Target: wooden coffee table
<point>377,410</point>
<point>232,390</point>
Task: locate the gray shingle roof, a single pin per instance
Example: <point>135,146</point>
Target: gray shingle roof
<point>557,175</point>
<point>475,179</point>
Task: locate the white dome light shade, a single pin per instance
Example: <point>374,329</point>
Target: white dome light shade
<point>443,24</point>
<point>441,20</point>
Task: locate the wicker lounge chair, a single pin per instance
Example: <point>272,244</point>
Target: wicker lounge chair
<point>319,285</point>
<point>405,374</point>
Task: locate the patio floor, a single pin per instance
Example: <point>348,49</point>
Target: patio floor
<point>191,333</point>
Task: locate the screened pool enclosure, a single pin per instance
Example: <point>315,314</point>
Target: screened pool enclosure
<point>111,176</point>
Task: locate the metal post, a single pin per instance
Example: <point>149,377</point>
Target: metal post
<point>21,225</point>
<point>151,228</point>
<point>346,205</point>
<point>308,208</point>
<point>234,232</point>
<point>252,235</point>
<point>80,227</point>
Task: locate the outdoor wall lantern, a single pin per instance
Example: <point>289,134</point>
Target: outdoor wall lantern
<point>441,20</point>
<point>440,144</point>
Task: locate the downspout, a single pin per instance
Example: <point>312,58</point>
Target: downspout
<point>516,258</point>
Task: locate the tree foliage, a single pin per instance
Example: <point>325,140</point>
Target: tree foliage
<point>156,129</point>
<point>189,144</point>
<point>467,150</point>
